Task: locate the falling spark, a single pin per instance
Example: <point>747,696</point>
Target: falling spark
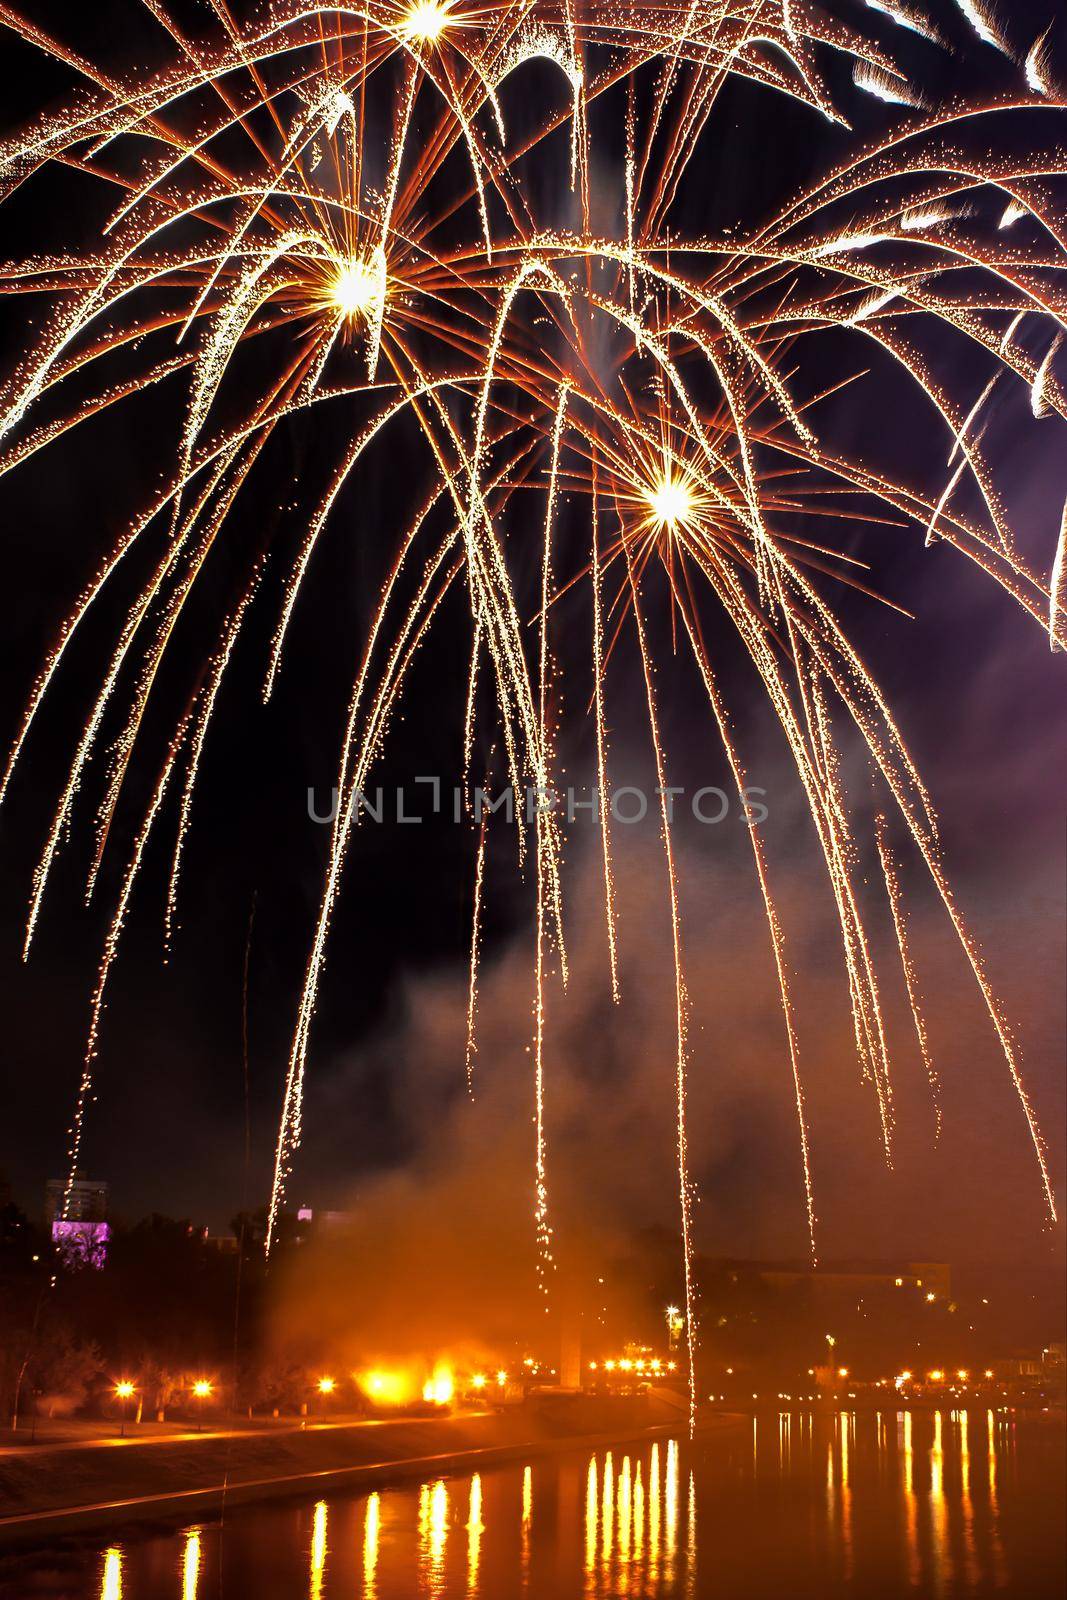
<point>904,18</point>
<point>476,934</point>
<point>981,20</point>
<point>1057,609</point>
<point>1042,400</point>
<point>1011,213</point>
<point>885,86</point>
<point>1036,65</point>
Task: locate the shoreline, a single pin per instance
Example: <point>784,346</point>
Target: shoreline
<point>205,1479</point>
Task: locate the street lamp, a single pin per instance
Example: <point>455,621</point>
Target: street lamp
<point>124,1390</point>
<point>326,1386</point>
<point>202,1389</point>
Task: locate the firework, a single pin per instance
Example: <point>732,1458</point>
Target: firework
<point>334,191</point>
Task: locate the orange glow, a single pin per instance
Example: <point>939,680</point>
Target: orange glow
<point>387,1388</point>
<point>326,1386</point>
<point>439,1389</point>
<point>124,1389</point>
<point>202,1388</point>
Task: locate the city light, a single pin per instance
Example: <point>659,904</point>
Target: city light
<point>962,1374</point>
<point>501,1377</point>
<point>937,1376</point>
<point>326,1385</point>
<point>202,1388</point>
<point>479,1380</point>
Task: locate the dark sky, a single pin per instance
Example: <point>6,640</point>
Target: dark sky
<point>978,695</point>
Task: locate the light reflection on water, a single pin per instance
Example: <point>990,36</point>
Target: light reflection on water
<point>946,1503</point>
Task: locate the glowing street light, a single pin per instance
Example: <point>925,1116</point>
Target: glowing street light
<point>326,1385</point>
<point>202,1390</point>
<point>124,1391</point>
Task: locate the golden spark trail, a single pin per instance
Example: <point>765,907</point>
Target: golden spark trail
<point>476,934</point>
<point>1057,605</point>
<point>545,858</point>
<point>680,999</point>
<point>602,751</point>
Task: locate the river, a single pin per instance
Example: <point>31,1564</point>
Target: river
<point>898,1503</point>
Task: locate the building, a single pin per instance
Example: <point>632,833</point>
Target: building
<point>321,1221</point>
<point>88,1199</point>
<point>934,1278</point>
<point>81,1236</point>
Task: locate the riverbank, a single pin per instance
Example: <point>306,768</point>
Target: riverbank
<point>52,1491</point>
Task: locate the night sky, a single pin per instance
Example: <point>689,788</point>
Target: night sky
<point>978,695</point>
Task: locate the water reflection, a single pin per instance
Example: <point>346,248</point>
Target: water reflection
<point>191,1564</point>
<point>914,1503</point>
<point>527,1522</point>
<point>372,1530</point>
<point>475,1529</point>
<point>911,1506</point>
<point>111,1585</point>
<point>318,1550</point>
